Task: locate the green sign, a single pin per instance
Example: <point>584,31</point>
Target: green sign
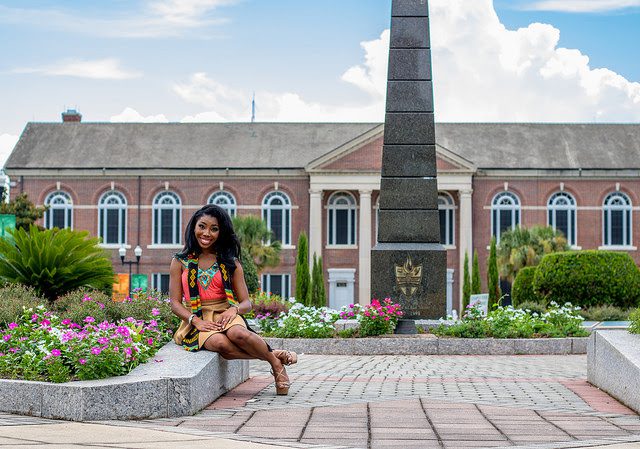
<point>139,281</point>
<point>7,221</point>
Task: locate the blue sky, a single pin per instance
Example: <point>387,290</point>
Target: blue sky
<point>202,60</point>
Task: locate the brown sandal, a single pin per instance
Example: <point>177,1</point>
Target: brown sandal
<point>282,387</point>
<point>290,357</point>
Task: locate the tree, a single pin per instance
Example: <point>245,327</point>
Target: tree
<point>252,233</point>
<point>318,296</point>
<point>303,277</point>
<point>25,211</point>
<point>250,272</point>
<point>466,282</point>
<point>493,281</point>
<point>476,287</point>
<point>55,261</point>
<point>521,247</point>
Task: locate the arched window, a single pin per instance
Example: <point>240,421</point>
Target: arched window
<point>225,200</point>
<point>112,218</point>
<point>505,213</point>
<point>60,211</point>
<point>561,215</point>
<point>446,208</point>
<point>276,212</point>
<point>167,218</point>
<point>616,219</point>
<point>341,216</point>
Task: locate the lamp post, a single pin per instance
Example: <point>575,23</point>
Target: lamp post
<point>123,252</point>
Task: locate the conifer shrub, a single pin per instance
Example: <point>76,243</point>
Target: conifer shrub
<point>589,278</point>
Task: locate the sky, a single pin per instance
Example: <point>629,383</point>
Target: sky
<point>312,61</point>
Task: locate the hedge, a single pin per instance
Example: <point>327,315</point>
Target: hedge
<point>522,289</point>
<point>588,278</point>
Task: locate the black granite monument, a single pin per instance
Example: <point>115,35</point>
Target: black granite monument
<point>409,263</point>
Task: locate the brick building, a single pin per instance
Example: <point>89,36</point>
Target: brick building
<point>138,184</point>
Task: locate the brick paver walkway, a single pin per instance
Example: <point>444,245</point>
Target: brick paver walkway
<point>422,402</point>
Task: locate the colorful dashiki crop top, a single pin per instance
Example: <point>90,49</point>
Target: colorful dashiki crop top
<point>210,282</point>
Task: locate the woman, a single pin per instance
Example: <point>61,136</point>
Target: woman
<point>211,243</point>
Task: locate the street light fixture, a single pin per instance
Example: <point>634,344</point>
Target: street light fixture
<point>123,252</point>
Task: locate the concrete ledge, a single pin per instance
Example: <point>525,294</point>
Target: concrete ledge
<point>430,345</point>
<point>173,383</point>
<point>613,365</point>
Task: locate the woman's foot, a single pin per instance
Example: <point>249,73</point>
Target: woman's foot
<point>282,382</point>
<point>286,357</point>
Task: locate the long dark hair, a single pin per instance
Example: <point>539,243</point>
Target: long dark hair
<point>227,246</point>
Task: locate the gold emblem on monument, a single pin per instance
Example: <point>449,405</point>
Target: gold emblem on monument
<point>408,277</point>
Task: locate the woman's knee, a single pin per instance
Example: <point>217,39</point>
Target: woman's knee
<point>238,335</point>
<point>217,343</point>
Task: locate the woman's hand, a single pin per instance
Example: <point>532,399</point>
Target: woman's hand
<point>204,326</point>
<point>226,317</point>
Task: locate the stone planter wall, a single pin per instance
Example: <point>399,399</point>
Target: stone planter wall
<point>173,383</point>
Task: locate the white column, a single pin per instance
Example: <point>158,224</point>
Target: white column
<point>364,248</point>
<point>465,235</point>
<point>315,224</point>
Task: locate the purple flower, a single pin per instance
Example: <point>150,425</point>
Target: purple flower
<point>153,323</point>
<point>104,325</point>
<point>34,317</point>
<point>127,351</point>
<point>23,338</point>
<point>82,361</point>
<point>101,305</point>
<point>86,298</point>
<point>45,323</point>
<point>6,337</point>
<point>89,319</point>
<point>66,322</point>
<point>123,330</point>
<point>155,312</point>
<point>150,341</point>
<point>95,350</point>
<point>14,350</point>
<point>56,352</point>
<point>103,340</point>
<point>13,326</point>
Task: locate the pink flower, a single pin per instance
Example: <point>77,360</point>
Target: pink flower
<point>123,330</point>
<point>155,312</point>
<point>150,341</point>
<point>82,361</point>
<point>45,323</point>
<point>100,305</point>
<point>95,350</point>
<point>34,317</point>
<point>127,351</point>
<point>103,340</point>
<point>153,323</point>
<point>89,319</point>
<point>23,338</point>
<point>66,322</point>
<point>14,350</point>
<point>86,298</point>
<point>351,306</point>
<point>56,352</point>
<point>13,326</point>
<point>6,337</point>
<point>387,318</point>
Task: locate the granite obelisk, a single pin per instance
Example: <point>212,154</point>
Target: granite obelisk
<point>409,264</point>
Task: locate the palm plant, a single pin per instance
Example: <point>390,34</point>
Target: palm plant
<point>521,247</point>
<point>253,232</point>
<point>55,261</point>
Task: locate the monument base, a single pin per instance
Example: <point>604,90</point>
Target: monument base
<point>413,275</point>
<point>406,327</point>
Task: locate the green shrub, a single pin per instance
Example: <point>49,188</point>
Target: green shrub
<point>605,313</point>
<point>250,272</point>
<point>55,261</point>
<point>522,289</point>
<point>348,333</point>
<point>634,326</point>
<point>532,307</point>
<point>493,281</point>
<point>589,278</point>
<point>303,277</point>
<point>264,306</point>
<point>79,304</point>
<point>13,298</point>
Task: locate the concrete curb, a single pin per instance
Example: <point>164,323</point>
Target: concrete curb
<point>430,345</point>
<point>173,383</point>
<point>613,365</point>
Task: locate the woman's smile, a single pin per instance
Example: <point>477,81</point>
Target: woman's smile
<point>207,231</point>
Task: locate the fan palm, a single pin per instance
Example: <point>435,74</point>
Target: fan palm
<point>253,233</point>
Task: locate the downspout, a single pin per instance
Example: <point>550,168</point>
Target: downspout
<point>139,210</point>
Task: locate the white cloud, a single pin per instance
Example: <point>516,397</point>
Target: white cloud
<point>481,70</point>
<point>579,6</point>
<point>131,115</point>
<point>7,142</point>
<point>159,18</point>
<point>108,68</point>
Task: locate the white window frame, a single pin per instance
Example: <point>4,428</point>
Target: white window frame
<point>156,281</point>
<point>58,200</point>
<point>268,209</point>
<point>448,205</point>
<point>113,199</point>
<point>342,201</point>
<point>564,201</point>
<point>285,283</point>
<point>617,201</point>
<point>167,200</point>
<point>225,200</point>
<point>508,201</point>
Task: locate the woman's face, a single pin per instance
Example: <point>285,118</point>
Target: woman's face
<point>207,231</point>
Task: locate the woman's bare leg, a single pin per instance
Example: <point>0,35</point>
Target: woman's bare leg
<point>254,345</point>
<point>221,344</point>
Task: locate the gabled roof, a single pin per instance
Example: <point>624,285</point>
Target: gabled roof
<point>179,145</point>
<point>543,146</point>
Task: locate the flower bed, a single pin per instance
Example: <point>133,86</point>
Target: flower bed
<point>42,346</point>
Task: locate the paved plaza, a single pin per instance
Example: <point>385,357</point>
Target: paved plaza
<point>379,402</point>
